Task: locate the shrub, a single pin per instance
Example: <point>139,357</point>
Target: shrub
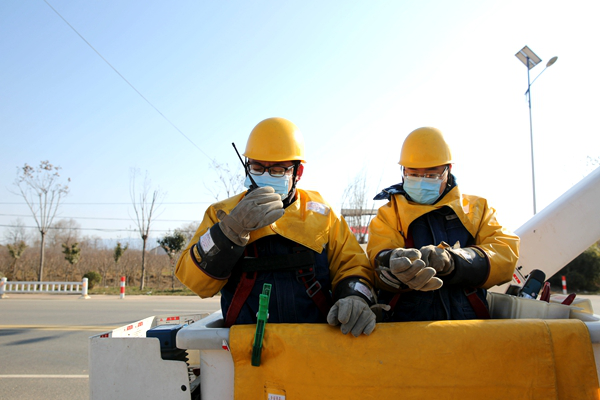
<point>94,278</point>
<point>582,274</point>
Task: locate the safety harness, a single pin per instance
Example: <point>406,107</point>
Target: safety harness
<point>481,311</point>
<point>301,260</point>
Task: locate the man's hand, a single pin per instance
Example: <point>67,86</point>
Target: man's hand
<point>406,266</point>
<point>438,258</point>
<point>257,209</point>
<point>354,314</point>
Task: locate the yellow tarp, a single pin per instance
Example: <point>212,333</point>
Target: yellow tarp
<point>494,359</point>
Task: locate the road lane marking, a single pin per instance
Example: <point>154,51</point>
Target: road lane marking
<point>45,376</point>
<point>94,328</point>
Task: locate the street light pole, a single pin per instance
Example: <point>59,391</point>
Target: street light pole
<point>530,59</point>
<point>531,138</point>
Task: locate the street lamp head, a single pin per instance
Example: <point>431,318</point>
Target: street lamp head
<point>552,61</point>
<point>528,57</point>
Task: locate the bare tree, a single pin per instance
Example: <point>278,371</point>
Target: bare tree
<point>16,232</point>
<point>146,203</point>
<point>63,231</point>
<point>357,207</point>
<point>189,229</point>
<point>229,181</point>
<point>42,192</point>
<point>95,257</point>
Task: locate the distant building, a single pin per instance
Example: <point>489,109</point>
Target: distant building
<point>157,251</point>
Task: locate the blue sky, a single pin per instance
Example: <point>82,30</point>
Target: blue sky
<point>356,77</point>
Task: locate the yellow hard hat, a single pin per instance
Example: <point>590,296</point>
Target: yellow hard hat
<point>275,139</point>
<point>425,148</point>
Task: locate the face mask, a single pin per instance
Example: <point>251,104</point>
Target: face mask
<point>422,190</point>
<point>280,185</point>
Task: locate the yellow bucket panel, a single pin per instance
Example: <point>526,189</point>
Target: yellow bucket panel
<point>507,359</point>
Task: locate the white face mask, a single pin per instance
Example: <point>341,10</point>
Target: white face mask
<point>422,190</point>
<point>281,185</point>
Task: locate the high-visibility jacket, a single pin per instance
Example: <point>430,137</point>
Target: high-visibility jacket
<point>309,221</point>
<point>391,228</point>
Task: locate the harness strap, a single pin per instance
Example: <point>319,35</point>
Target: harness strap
<point>394,301</point>
<point>242,291</point>
<point>481,311</point>
<point>409,242</point>
<point>313,290</point>
<point>239,297</point>
<point>307,276</point>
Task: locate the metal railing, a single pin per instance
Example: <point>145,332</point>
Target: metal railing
<point>7,286</point>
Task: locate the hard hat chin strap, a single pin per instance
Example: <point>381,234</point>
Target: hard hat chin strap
<point>450,183</point>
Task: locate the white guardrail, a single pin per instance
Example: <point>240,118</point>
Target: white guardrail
<point>7,286</point>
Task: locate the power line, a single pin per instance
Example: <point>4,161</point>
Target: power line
<point>113,204</point>
<point>126,81</point>
<point>100,218</point>
<point>87,229</point>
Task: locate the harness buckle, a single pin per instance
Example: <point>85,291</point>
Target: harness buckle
<point>309,290</point>
<point>305,274</point>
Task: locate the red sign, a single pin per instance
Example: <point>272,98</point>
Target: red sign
<point>359,229</point>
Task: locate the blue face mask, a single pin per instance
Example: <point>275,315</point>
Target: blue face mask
<point>280,185</point>
<point>422,190</point>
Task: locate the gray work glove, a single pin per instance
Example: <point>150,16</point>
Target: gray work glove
<point>354,314</point>
<point>259,208</point>
<point>406,266</point>
<point>438,258</point>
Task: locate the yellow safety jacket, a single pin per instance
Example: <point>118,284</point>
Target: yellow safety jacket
<point>389,230</point>
<point>309,221</point>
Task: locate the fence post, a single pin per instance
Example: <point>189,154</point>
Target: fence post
<point>84,292</point>
<point>564,284</point>
<point>2,285</point>
<point>122,296</point>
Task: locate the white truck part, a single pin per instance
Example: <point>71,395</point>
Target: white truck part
<point>560,232</point>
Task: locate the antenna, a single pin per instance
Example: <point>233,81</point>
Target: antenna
<point>254,185</point>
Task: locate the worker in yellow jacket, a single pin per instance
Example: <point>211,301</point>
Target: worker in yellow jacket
<point>436,250</point>
<point>278,234</point>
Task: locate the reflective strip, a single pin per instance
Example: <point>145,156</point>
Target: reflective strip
<point>206,241</point>
<point>317,207</point>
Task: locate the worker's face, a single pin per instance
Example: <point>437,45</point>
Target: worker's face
<point>440,172</point>
<point>275,169</point>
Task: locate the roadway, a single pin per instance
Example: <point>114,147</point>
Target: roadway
<point>44,338</point>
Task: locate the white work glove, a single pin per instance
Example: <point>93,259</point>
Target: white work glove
<point>354,314</point>
<point>438,258</point>
<point>259,208</point>
<point>406,266</point>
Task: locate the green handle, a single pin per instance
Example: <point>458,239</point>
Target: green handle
<point>261,322</point>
